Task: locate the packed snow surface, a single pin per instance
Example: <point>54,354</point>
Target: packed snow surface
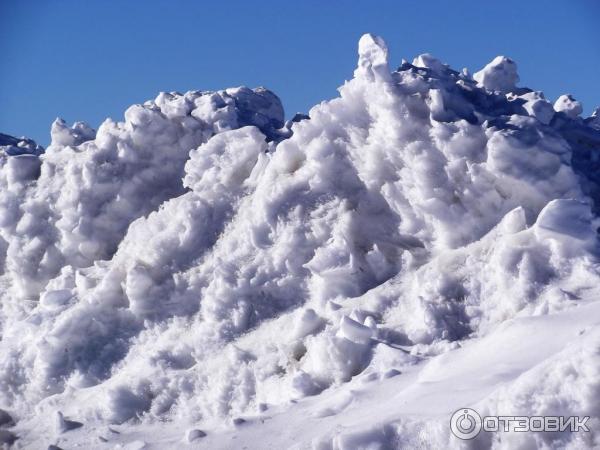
<point>206,274</point>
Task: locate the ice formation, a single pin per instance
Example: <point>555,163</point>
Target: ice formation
<point>204,264</point>
<point>500,75</point>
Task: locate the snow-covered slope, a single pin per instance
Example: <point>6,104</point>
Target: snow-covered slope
<point>426,241</point>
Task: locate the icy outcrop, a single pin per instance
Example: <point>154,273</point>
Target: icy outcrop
<point>63,135</point>
<point>500,75</point>
<point>203,259</point>
<point>13,146</point>
<point>372,59</point>
<point>537,106</point>
<point>428,61</point>
<point>90,186</point>
<point>568,105</point>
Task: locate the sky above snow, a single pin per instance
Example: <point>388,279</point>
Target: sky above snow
<point>90,60</point>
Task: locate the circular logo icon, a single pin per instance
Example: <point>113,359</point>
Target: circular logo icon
<point>465,423</point>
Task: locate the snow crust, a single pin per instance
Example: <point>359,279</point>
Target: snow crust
<point>203,264</point>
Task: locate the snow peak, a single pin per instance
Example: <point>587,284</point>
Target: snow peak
<point>466,423</point>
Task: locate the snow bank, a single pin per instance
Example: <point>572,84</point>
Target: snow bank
<point>92,186</point>
<point>203,262</point>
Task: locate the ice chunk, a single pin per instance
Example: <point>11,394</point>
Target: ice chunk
<point>430,62</point>
<point>568,105</point>
<point>63,135</point>
<point>194,434</point>
<point>499,75</point>
<point>537,106</point>
<point>354,331</point>
<point>566,219</point>
<point>372,59</point>
<point>63,425</point>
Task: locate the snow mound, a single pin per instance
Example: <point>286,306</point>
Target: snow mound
<point>568,105</point>
<point>203,262</point>
<point>499,75</point>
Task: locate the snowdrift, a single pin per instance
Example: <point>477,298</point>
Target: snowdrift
<point>205,265</point>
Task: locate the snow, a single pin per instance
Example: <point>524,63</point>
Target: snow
<point>205,273</point>
<point>568,105</point>
<point>500,75</point>
<point>537,106</point>
<point>372,59</point>
<point>10,145</point>
<point>430,62</point>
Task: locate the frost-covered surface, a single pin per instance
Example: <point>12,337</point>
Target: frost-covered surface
<point>203,273</point>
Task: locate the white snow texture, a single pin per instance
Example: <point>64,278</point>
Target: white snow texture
<point>204,266</point>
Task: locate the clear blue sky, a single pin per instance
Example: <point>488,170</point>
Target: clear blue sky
<point>88,60</point>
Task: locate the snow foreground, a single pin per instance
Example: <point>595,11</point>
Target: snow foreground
<point>205,274</point>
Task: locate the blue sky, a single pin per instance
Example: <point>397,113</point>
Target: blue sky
<point>88,60</point>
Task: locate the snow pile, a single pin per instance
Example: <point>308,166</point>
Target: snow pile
<point>500,75</point>
<point>568,105</point>
<point>13,146</point>
<point>72,205</point>
<point>203,262</point>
